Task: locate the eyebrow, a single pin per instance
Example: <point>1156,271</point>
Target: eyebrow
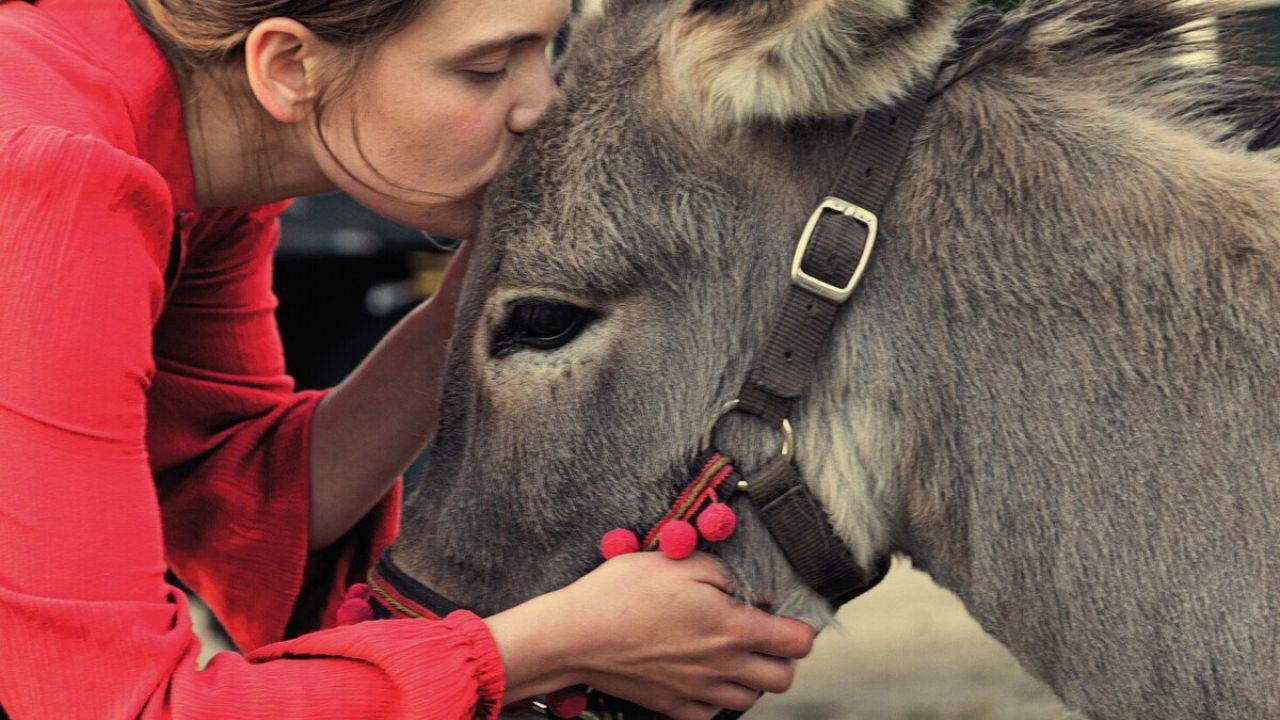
<point>491,46</point>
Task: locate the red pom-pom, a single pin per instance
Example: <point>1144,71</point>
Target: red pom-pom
<point>354,610</point>
<point>717,522</point>
<point>359,590</point>
<point>567,703</point>
<point>677,539</point>
<point>619,541</point>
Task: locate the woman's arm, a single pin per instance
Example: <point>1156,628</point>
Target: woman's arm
<point>367,430</point>
<point>88,626</point>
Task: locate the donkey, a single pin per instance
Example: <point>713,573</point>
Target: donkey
<point>1057,389</point>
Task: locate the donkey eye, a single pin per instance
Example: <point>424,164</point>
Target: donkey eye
<point>540,325</point>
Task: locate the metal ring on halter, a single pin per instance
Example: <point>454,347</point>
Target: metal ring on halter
<point>788,437</point>
<point>445,247</point>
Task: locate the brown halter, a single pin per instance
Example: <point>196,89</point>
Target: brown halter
<point>831,257</point>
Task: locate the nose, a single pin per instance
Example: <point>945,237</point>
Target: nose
<point>535,97</point>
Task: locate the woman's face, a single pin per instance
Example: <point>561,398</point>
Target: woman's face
<point>438,111</point>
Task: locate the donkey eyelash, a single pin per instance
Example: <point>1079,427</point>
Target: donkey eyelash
<point>540,324</point>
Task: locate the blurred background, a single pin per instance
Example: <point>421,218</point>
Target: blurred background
<point>907,651</point>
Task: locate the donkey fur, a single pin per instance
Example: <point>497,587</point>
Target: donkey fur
<point>1057,389</point>
<point>741,61</point>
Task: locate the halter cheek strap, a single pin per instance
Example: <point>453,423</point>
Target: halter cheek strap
<point>831,257</point>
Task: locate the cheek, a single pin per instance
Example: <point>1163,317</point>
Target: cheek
<point>528,388</point>
<point>473,134</point>
<point>429,141</point>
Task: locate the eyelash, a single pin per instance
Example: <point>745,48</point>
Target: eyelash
<point>481,76</point>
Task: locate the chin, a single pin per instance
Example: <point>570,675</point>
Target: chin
<point>459,230</point>
<point>458,220</point>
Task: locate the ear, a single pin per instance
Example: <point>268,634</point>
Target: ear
<point>282,57</point>
<point>739,61</point>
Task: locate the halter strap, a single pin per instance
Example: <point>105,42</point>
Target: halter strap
<point>393,593</point>
<point>831,257</point>
<point>833,253</point>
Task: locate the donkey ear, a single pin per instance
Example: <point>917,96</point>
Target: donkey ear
<point>740,61</point>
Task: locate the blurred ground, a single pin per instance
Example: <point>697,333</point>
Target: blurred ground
<point>905,651</point>
<point>908,650</point>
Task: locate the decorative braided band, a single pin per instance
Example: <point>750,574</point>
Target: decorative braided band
<point>715,470</point>
<point>397,594</point>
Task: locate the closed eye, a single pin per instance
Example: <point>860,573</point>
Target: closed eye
<point>483,76</point>
<point>540,324</point>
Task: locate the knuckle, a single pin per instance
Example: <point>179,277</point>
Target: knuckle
<point>805,644</point>
<point>668,706</point>
<point>741,700</point>
<point>689,711</point>
<point>794,640</point>
<point>739,632</point>
<point>782,682</point>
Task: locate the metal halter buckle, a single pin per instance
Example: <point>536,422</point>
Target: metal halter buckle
<point>820,287</point>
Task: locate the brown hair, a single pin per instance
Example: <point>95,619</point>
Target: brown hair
<point>211,33</point>
<point>199,32</point>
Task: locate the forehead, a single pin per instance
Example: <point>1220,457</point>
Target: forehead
<point>568,213</point>
<point>456,26</point>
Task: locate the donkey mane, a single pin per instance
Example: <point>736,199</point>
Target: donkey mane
<point>1186,62</point>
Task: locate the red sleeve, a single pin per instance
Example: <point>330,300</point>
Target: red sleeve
<point>88,626</point>
<point>229,446</point>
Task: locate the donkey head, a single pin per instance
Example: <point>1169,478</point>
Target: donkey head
<point>630,263</point>
<point>1054,389</point>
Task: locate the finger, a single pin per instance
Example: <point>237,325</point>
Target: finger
<point>694,711</point>
<point>710,570</point>
<point>730,696</point>
<point>779,636</point>
<point>765,672</point>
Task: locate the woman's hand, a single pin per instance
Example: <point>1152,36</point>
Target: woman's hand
<point>662,633</point>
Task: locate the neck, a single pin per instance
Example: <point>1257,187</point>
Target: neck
<point>240,155</point>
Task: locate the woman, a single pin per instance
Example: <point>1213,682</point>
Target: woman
<point>145,418</point>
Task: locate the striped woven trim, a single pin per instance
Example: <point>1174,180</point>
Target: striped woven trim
<point>394,600</point>
<point>716,470</point>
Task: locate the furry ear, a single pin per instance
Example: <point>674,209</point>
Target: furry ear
<point>739,61</point>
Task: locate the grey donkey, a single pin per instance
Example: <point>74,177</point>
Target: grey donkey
<point>1057,390</point>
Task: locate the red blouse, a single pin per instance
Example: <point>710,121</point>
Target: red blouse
<point>146,422</point>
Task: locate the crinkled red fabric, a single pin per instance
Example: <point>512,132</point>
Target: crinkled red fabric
<point>146,426</point>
